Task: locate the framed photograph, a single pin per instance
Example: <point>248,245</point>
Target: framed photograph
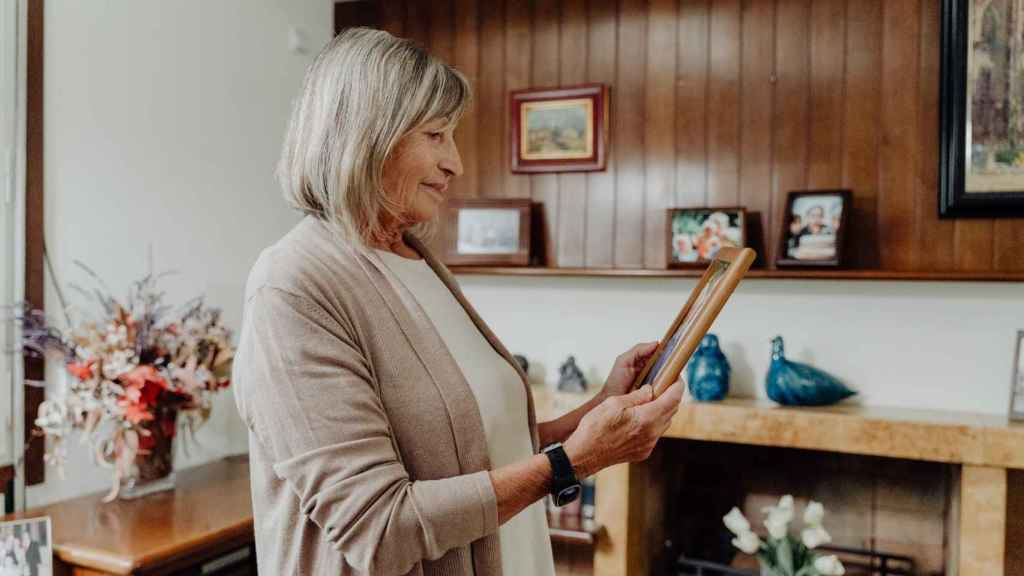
<point>693,321</point>
<point>982,121</point>
<point>813,228</point>
<point>1017,383</point>
<point>487,232</point>
<point>559,129</point>
<point>26,547</point>
<point>695,235</point>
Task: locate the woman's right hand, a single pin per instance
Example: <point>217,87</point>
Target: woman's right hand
<point>622,429</point>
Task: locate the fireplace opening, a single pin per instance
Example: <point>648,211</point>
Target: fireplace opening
<point>884,516</point>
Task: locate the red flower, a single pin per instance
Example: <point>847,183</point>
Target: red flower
<point>135,413</point>
<point>81,371</point>
<point>140,375</point>
<point>149,394</point>
<point>146,441</point>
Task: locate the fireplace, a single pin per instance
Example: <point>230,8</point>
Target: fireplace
<point>884,515</point>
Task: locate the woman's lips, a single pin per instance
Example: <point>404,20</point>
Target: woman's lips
<point>439,188</point>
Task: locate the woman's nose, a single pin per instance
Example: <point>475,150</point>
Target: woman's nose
<point>451,163</point>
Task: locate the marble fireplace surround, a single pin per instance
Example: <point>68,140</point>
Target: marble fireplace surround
<point>981,451</point>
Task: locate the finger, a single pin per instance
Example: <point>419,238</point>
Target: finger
<point>666,404</point>
<point>638,397</point>
<point>641,352</point>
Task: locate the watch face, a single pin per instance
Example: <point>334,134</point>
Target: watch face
<point>567,495</point>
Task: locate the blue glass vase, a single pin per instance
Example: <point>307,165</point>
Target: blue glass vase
<point>708,372</point>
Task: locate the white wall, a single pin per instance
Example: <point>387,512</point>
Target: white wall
<point>163,121</point>
<point>944,346</point>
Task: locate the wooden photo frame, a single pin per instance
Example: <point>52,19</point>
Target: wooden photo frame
<point>814,229</point>
<point>559,129</point>
<point>695,235</point>
<point>487,232</point>
<point>1017,382</point>
<point>981,173</point>
<point>695,318</point>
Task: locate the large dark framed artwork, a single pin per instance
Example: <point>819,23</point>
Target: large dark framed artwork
<point>982,109</point>
<point>559,129</point>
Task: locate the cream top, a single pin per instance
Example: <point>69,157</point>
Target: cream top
<point>524,539</point>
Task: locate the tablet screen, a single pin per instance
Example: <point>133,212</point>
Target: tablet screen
<point>717,272</point>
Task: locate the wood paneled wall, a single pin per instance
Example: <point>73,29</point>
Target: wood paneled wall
<point>718,102</point>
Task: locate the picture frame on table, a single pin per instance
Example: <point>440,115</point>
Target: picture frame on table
<point>981,167</point>
<point>695,235</point>
<point>1017,381</point>
<point>814,229</point>
<point>32,542</point>
<point>487,232</point>
<point>559,129</point>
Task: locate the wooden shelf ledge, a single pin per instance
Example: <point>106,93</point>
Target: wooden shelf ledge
<point>763,273</point>
<point>950,437</point>
<point>573,529</point>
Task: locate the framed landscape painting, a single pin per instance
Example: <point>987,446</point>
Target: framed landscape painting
<point>559,129</point>
<point>982,109</point>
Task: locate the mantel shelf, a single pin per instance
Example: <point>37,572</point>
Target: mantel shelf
<point>573,529</point>
<point>951,437</point>
<point>764,273</point>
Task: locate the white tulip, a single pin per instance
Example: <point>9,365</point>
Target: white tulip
<point>814,514</point>
<point>736,522</point>
<point>829,566</point>
<point>779,517</point>
<point>814,536</point>
<point>747,541</point>
<point>777,524</point>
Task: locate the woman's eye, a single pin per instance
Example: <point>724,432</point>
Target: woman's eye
<point>437,136</point>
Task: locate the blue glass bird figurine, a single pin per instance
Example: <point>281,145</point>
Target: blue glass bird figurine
<point>795,384</point>
<point>708,371</point>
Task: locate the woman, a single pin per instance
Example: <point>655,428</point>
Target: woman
<point>390,431</point>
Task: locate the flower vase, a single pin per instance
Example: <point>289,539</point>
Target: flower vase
<point>153,468</point>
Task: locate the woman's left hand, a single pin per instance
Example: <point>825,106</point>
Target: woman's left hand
<point>626,368</point>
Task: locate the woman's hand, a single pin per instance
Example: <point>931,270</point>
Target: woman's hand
<point>625,370</point>
<point>622,429</point>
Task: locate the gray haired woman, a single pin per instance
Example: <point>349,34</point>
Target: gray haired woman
<point>390,430</point>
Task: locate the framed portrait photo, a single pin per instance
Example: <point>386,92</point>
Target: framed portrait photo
<point>981,172</point>
<point>695,235</point>
<point>1017,382</point>
<point>487,232</point>
<point>26,547</point>
<point>559,129</point>
<point>814,227</point>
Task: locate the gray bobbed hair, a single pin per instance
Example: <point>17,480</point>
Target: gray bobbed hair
<point>363,92</point>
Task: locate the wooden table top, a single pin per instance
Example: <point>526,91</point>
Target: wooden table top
<point>209,507</point>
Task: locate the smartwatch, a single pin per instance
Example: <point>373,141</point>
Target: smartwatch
<point>564,486</point>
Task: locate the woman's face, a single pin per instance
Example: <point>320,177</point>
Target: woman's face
<point>420,168</point>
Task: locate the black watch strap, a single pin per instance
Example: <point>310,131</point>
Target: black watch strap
<point>564,486</point>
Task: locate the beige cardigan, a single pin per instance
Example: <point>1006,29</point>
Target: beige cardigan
<point>367,449</point>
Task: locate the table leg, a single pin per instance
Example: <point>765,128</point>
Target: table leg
<point>982,521</point>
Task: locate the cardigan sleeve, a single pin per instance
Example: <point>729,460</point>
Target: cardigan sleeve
<point>306,392</point>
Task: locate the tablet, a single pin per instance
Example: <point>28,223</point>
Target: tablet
<point>694,320</point>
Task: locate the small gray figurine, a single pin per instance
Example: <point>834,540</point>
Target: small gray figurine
<point>570,377</point>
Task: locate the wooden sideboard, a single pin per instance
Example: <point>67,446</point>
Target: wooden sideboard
<point>202,526</point>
